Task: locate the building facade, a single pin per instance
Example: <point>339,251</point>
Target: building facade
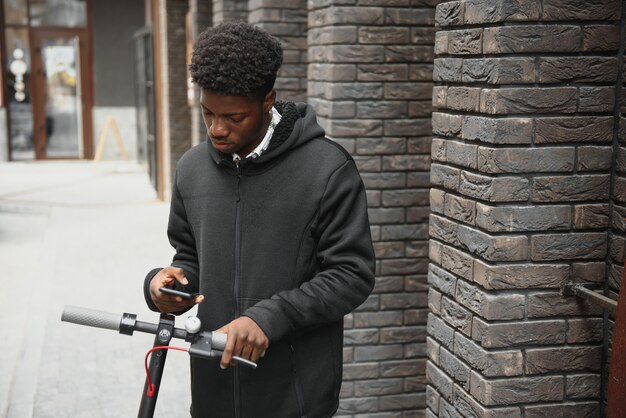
<point>491,138</point>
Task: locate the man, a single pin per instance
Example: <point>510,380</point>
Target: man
<point>269,223</point>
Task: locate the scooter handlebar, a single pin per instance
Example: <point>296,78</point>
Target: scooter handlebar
<point>107,320</point>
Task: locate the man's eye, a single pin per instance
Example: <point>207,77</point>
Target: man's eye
<point>236,120</point>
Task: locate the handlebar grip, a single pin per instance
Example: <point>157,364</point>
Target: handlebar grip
<point>91,317</point>
<point>218,340</point>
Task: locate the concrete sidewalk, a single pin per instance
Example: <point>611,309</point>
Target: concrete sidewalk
<point>79,233</point>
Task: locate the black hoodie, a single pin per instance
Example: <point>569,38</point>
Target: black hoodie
<point>283,239</point>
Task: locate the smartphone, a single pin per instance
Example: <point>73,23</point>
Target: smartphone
<point>184,295</point>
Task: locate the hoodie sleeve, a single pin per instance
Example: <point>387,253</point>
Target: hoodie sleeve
<point>182,239</point>
<point>346,258</point>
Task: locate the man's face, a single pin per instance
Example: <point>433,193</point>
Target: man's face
<point>236,124</point>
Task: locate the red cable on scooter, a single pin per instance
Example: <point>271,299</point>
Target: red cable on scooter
<point>152,386</point>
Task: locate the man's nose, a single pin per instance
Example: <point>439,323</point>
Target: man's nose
<point>218,129</point>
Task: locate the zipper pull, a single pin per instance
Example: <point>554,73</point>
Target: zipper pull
<point>237,161</point>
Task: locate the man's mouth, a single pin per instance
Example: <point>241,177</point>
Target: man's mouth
<point>220,141</point>
<point>221,145</point>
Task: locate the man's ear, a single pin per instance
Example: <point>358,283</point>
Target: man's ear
<point>269,100</point>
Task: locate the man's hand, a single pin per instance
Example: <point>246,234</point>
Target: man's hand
<point>166,303</point>
<point>245,339</point>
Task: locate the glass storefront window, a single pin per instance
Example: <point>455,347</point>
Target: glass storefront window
<point>64,13</point>
<point>19,83</point>
<point>63,110</point>
<point>15,12</point>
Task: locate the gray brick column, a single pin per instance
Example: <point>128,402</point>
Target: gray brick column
<point>229,10</point>
<point>202,13</point>
<point>370,80</point>
<point>618,194</point>
<point>286,20</point>
<point>179,112</point>
<point>521,174</point>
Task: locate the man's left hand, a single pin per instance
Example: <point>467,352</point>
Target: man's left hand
<point>245,339</point>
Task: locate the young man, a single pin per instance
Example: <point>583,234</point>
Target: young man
<point>269,223</point>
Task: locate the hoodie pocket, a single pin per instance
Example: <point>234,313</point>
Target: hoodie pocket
<point>296,380</point>
<point>270,390</point>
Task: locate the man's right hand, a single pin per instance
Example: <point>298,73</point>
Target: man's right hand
<point>167,303</point>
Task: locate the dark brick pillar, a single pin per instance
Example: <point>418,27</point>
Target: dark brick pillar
<point>203,19</point>
<point>522,177</point>
<point>286,20</point>
<point>179,112</point>
<point>229,10</point>
<point>370,80</point>
<point>617,212</point>
<point>204,14</point>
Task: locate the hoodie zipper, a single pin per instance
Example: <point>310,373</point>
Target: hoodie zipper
<point>237,239</point>
<point>236,384</point>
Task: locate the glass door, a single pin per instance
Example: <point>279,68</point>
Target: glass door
<point>144,84</point>
<point>47,68</point>
<point>58,102</point>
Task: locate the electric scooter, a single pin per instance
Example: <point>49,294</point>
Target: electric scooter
<point>205,344</point>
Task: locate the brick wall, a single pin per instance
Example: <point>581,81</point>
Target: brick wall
<point>618,194</point>
<point>203,14</point>
<point>229,10</point>
<point>522,157</point>
<point>370,81</point>
<point>179,113</point>
<point>286,20</point>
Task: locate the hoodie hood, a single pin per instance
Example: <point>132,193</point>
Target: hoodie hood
<point>298,125</point>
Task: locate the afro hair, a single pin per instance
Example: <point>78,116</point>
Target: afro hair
<point>236,59</point>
